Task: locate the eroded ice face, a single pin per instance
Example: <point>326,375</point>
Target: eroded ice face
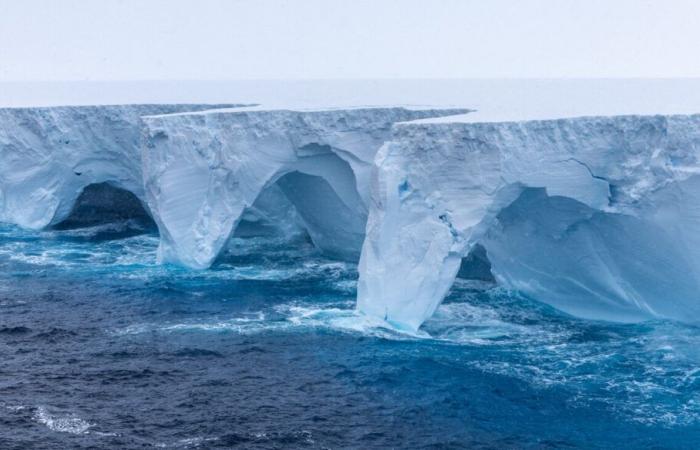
<point>595,216</point>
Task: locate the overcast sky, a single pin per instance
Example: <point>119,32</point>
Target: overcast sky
<point>309,39</point>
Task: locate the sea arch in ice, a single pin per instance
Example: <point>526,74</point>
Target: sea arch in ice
<point>596,216</point>
<point>203,171</point>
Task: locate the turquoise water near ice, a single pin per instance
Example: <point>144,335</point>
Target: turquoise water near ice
<point>102,347</point>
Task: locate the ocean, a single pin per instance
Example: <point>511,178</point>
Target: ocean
<point>100,347</point>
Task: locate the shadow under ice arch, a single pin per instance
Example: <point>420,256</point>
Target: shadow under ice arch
<point>102,203</point>
<point>331,211</point>
<point>555,205</point>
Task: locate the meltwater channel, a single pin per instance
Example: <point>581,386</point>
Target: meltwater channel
<point>102,347</point>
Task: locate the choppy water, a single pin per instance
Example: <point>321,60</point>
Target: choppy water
<point>101,347</point>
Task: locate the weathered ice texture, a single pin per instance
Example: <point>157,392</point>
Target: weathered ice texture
<point>49,155</point>
<point>597,216</point>
<point>204,171</point>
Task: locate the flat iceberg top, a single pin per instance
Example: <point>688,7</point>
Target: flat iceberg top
<point>495,100</point>
<point>477,119</point>
<point>144,108</point>
<point>321,110</point>
<point>484,117</point>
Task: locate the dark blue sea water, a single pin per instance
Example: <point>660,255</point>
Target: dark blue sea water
<point>102,348</point>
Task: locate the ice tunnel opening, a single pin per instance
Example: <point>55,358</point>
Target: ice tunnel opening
<point>589,263</point>
<point>272,215</point>
<point>103,204</point>
<point>310,205</point>
<point>476,266</point>
<point>335,225</point>
<point>270,226</point>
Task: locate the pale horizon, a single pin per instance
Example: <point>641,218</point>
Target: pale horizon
<point>216,40</point>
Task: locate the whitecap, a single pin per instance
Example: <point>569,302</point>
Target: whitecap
<point>62,423</point>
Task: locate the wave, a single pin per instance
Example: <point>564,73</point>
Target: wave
<point>646,373</point>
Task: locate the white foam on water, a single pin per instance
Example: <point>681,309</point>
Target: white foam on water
<point>349,286</point>
<point>345,320</point>
<point>660,362</point>
<point>464,323</point>
<point>62,423</point>
<point>340,317</point>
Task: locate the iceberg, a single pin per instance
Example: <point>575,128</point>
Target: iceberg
<point>597,216</point>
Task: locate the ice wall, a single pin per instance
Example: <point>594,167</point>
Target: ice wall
<point>597,216</point>
<point>49,155</point>
<point>204,171</point>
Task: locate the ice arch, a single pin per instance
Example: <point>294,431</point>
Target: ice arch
<point>103,203</point>
<point>320,185</point>
<point>298,205</point>
<point>331,211</point>
<point>272,215</point>
<point>49,155</point>
<point>442,188</point>
<point>594,264</point>
<point>203,171</point>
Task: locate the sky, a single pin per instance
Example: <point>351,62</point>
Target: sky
<point>116,40</point>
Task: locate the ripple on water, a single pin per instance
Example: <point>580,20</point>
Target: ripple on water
<point>646,374</point>
<point>633,370</point>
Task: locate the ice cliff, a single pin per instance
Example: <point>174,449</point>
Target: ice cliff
<point>597,216</point>
<point>205,171</point>
<point>49,155</point>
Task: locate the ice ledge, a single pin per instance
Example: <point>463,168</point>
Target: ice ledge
<point>445,111</point>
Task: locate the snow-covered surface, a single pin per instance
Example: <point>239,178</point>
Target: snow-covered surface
<point>203,171</point>
<point>612,232</point>
<point>495,100</point>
